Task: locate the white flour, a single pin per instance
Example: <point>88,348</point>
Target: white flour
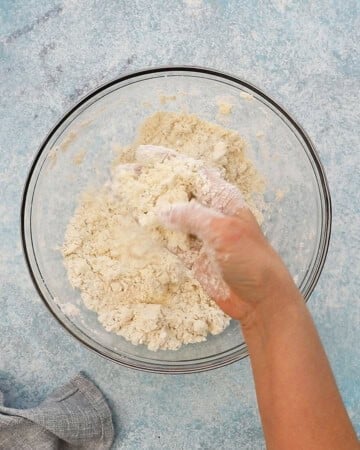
<point>133,272</point>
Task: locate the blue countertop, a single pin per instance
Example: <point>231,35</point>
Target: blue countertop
<point>304,54</point>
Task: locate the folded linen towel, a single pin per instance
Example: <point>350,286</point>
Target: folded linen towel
<point>74,416</point>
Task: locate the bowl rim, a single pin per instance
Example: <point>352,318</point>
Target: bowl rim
<point>320,258</point>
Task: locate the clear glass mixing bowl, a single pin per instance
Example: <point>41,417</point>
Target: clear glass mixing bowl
<point>78,152</point>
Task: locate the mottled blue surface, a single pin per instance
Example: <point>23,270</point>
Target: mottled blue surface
<point>306,55</point>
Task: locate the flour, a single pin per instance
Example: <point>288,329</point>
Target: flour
<point>135,274</point>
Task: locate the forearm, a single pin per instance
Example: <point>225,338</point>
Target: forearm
<point>300,406</point>
<point>299,402</point>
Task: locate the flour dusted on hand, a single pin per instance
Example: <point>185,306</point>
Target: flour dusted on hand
<point>135,274</point>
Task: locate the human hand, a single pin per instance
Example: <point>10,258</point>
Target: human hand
<point>237,266</point>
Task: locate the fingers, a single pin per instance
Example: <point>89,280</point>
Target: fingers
<point>208,274</point>
<point>219,194</point>
<point>191,218</point>
<point>232,306</point>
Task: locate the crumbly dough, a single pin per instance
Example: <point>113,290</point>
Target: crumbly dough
<point>135,274</point>
<point>209,142</point>
<point>224,108</point>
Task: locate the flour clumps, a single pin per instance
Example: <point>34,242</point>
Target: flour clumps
<point>134,273</point>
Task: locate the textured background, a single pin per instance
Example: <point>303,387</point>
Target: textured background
<point>306,55</point>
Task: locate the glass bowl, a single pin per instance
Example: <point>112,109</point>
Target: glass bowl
<point>77,155</point>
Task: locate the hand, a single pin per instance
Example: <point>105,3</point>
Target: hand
<point>237,266</point>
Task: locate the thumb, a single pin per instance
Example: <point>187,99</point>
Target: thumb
<point>191,218</point>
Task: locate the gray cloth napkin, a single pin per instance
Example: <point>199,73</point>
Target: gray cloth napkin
<point>74,416</point>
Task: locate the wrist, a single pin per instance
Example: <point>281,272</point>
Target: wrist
<point>273,311</point>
